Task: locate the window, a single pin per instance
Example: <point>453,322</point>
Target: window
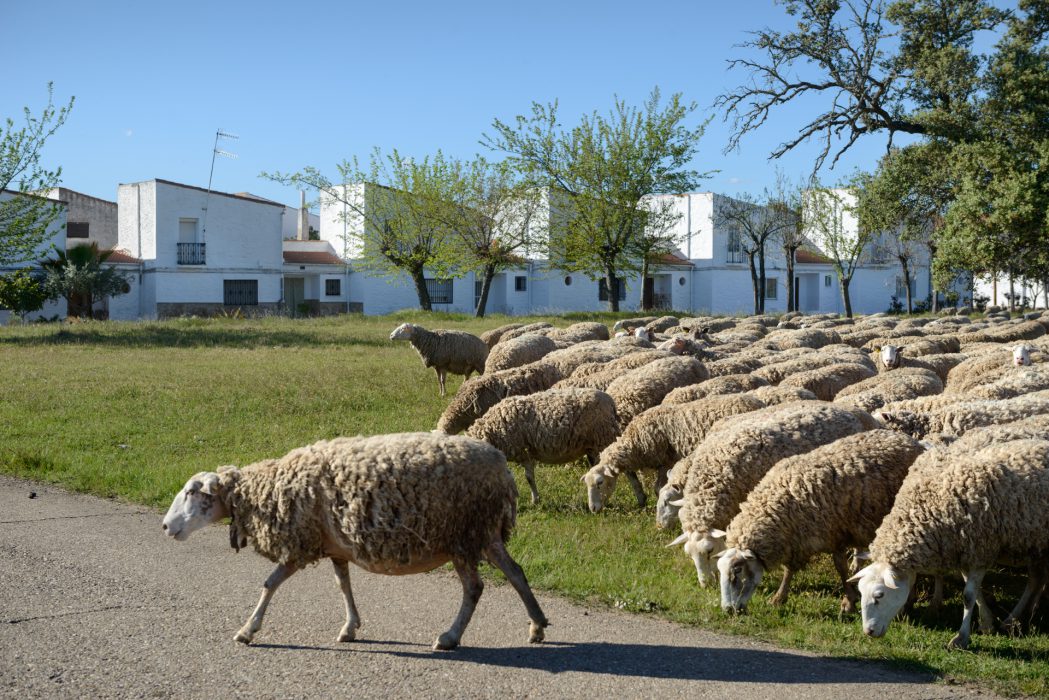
<point>735,246</point>
<point>826,281</point>
<point>187,230</point>
<point>901,288</point>
<point>77,229</point>
<point>602,290</point>
<point>771,287</point>
<point>440,291</point>
<point>478,288</point>
<point>332,287</point>
<point>520,283</point>
<point>568,281</point>
<point>240,292</point>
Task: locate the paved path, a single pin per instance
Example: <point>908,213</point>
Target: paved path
<point>96,602</point>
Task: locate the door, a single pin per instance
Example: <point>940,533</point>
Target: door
<point>294,295</point>
<point>647,291</point>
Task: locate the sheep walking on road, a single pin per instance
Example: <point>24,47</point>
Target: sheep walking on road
<point>391,504</point>
<point>457,352</point>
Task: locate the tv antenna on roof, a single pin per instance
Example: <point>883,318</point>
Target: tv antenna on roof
<point>215,151</point>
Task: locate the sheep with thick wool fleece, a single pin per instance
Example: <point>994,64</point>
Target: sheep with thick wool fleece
<point>519,351</point>
<point>646,386</point>
<point>491,337</point>
<point>729,463</point>
<point>540,328</point>
<point>981,509</point>
<point>391,504</point>
<point>476,396</point>
<point>953,420</point>
<point>873,393</point>
<point>826,382</point>
<point>446,351</point>
<point>598,375</point>
<point>552,427</point>
<point>726,384</point>
<point>821,502</point>
<point>656,439</point>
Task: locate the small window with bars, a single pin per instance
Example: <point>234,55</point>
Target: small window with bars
<point>735,246</point>
<point>77,229</point>
<point>332,287</point>
<point>440,291</point>
<point>771,287</point>
<point>240,292</point>
<point>602,290</point>
<point>520,283</point>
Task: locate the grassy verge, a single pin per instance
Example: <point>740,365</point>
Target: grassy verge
<point>130,410</point>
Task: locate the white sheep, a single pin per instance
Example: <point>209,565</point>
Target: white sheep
<point>391,504</point>
<point>446,351</point>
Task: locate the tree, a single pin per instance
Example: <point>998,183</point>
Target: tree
<point>829,217</point>
<point>22,292</point>
<point>80,276</point>
<point>602,171</point>
<point>492,213</point>
<point>24,219</point>
<point>392,229</point>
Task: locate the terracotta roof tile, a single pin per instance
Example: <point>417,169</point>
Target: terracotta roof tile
<point>311,257</point>
<point>810,257</point>
<point>122,256</point>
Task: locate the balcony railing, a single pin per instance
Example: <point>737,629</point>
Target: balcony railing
<point>190,253</point>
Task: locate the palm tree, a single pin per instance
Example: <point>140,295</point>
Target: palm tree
<point>78,275</point>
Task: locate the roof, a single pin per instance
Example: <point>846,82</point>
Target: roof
<point>809,257</point>
<point>257,198</point>
<point>242,197</point>
<point>671,259</point>
<point>311,257</point>
<point>122,256</point>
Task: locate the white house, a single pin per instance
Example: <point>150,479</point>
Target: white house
<point>90,219</point>
<point>54,239</point>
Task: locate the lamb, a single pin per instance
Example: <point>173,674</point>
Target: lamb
<point>476,396</point>
<point>956,418</point>
<point>657,439</point>
<point>826,382</point>
<point>552,427</point>
<point>491,337</point>
<point>982,508</point>
<point>646,386</point>
<point>446,351</point>
<point>727,384</point>
<point>729,463</point>
<point>519,351</point>
<point>824,501</point>
<point>874,393</point>
<point>391,504</point>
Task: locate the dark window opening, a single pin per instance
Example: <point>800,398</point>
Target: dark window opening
<point>440,291</point>
<point>332,288</point>
<point>77,229</point>
<point>240,292</point>
<point>602,290</point>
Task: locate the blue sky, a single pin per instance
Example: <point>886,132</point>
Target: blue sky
<point>312,84</point>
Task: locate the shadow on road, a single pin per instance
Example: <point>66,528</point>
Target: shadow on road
<point>654,661</point>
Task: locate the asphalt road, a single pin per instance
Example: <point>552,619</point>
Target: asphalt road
<point>96,602</point>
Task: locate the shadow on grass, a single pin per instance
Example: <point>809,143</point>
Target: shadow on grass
<point>731,665</point>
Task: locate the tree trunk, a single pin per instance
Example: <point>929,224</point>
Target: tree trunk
<point>762,280</point>
<point>792,302</point>
<point>1045,292</point>
<point>486,284</point>
<point>420,289</point>
<point>754,281</point>
<point>934,302</point>
<point>646,299</point>
<point>613,288</point>
<point>904,263</point>
<point>994,288</point>
<point>844,284</point>
<point>1012,293</point>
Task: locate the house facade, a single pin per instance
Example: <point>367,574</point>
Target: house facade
<point>89,219</point>
<point>53,239</point>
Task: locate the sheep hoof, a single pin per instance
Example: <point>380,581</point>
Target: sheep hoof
<point>536,634</point>
<point>959,642</point>
<point>347,636</point>
<point>243,637</point>
<point>445,642</point>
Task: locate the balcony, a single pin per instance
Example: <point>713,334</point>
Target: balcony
<point>191,254</point>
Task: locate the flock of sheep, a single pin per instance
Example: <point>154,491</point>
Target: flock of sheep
<point>916,443</point>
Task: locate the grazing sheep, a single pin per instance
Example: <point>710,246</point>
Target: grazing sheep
<point>391,504</point>
<point>826,382</point>
<point>624,323</point>
<point>821,502</point>
<point>802,338</point>
<point>457,352</point>
<point>1013,332</point>
<point>580,332</point>
<point>552,427</point>
<point>657,439</point>
<point>982,508</point>
<point>730,462</point>
<point>519,351</point>
<point>956,418</point>
<point>567,360</point>
<point>1022,355</point>
<point>778,371</point>
<point>874,393</point>
<point>662,324</point>
<point>541,328</point>
<point>727,384</point>
<point>680,345</point>
<point>775,395</point>
<point>646,386</point>
<point>491,337</point>
<point>1018,380</point>
<point>476,396</point>
<point>598,375</point>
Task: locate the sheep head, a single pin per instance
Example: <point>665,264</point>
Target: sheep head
<point>403,332</point>
<point>702,547</point>
<point>642,333</point>
<point>741,572</point>
<point>600,484</point>
<point>199,503</point>
<point>883,592</point>
<point>1022,356</point>
<point>890,356</point>
<point>668,505</point>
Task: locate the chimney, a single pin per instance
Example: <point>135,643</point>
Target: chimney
<point>304,217</point>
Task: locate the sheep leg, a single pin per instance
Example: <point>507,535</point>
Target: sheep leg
<point>472,588</point>
<point>498,556</point>
<point>852,592</point>
<point>529,468</point>
<point>937,594</point>
<point>780,597</point>
<point>353,618</point>
<point>639,491</point>
<point>281,574</point>
<point>1025,607</point>
<point>973,579</point>
<point>440,379</point>
<point>661,478</point>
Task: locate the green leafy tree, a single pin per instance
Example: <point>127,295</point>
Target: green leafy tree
<point>25,217</point>
<point>22,292</point>
<point>829,215</point>
<point>600,173</point>
<point>80,276</point>
<point>394,214</point>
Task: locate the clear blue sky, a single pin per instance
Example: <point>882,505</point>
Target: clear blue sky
<point>311,84</point>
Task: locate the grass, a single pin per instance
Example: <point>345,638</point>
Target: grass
<point>129,410</point>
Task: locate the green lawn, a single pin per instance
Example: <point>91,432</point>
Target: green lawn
<point>130,410</point>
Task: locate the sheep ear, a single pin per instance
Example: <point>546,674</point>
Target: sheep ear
<point>678,503</point>
<point>210,483</point>
<point>726,552</point>
<point>747,554</point>
<point>889,579</point>
<point>680,539</point>
<point>717,533</point>
<point>862,572</point>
